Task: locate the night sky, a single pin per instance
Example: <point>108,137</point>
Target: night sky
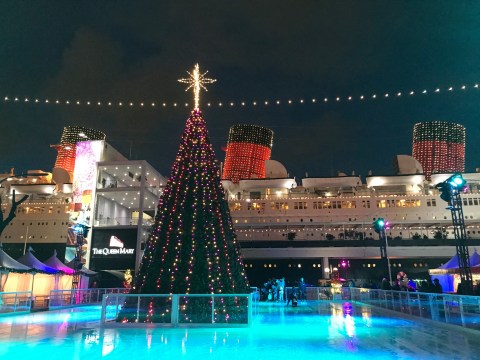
<point>134,51</point>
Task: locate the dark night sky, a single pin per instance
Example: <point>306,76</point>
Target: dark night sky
<point>258,50</point>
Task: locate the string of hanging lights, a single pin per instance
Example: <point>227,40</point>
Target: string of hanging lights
<point>236,104</point>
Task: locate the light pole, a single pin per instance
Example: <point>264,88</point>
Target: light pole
<point>379,226</point>
<point>450,191</point>
<point>81,232</point>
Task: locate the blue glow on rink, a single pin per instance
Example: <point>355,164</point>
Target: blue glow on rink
<point>324,330</point>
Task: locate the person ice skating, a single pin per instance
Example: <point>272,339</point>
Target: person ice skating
<point>437,286</point>
<point>301,290</point>
<point>281,290</point>
<point>386,284</point>
<point>292,297</point>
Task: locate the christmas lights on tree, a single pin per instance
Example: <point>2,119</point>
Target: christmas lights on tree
<point>192,248</point>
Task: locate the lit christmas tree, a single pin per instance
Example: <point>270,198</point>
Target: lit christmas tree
<point>192,248</point>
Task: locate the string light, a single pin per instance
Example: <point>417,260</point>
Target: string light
<point>233,104</point>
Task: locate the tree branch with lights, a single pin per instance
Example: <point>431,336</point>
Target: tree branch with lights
<point>12,213</point>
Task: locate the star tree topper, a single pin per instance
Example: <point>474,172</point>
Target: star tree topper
<point>197,81</point>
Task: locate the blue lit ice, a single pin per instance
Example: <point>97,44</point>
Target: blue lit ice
<point>310,331</point>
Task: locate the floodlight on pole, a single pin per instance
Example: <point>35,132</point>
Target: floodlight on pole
<point>450,191</point>
<point>379,226</point>
<point>457,181</point>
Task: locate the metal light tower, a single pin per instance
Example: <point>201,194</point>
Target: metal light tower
<point>379,226</point>
<point>81,232</point>
<point>450,191</point>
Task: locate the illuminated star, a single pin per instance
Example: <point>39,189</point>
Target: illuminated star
<point>197,81</point>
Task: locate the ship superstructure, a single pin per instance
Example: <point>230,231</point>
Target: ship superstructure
<point>322,222</point>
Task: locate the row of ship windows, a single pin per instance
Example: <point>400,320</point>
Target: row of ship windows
<point>33,237</point>
<point>345,204</point>
<point>39,210</point>
<point>41,223</point>
<point>270,220</point>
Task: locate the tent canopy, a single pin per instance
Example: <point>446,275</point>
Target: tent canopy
<point>9,264</point>
<point>475,258</point>
<point>30,260</point>
<point>54,262</point>
<point>451,266</point>
<point>83,270</point>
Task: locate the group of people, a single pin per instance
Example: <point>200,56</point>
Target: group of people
<point>275,290</point>
<point>405,284</point>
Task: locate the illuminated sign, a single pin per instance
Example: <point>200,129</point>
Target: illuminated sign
<point>115,247</point>
<point>110,251</point>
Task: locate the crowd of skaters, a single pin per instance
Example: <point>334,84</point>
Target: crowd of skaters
<point>405,284</point>
<point>275,290</point>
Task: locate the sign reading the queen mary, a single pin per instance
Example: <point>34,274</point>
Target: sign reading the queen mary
<point>113,249</point>
<point>116,247</point>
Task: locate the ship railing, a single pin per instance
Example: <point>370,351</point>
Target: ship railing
<point>79,297</point>
<point>15,302</point>
<point>178,310</point>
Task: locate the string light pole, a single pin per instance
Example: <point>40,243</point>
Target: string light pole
<point>450,191</point>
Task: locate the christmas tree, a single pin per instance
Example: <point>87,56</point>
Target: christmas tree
<point>192,248</point>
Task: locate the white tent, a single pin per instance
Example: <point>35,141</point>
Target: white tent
<point>63,279</point>
<point>13,271</point>
<point>44,278</point>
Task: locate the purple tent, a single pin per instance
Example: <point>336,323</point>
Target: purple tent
<point>474,258</point>
<point>29,260</point>
<point>55,263</point>
<point>453,262</point>
<point>445,273</point>
<point>450,264</point>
